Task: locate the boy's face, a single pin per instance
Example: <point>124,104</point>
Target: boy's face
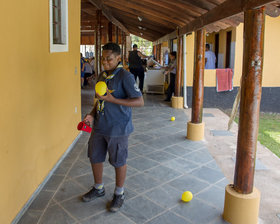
<point>110,60</point>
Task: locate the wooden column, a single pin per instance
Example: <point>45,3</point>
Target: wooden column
<point>110,32</point>
<point>117,35</point>
<point>155,51</point>
<point>250,100</point>
<point>123,48</point>
<point>179,66</point>
<point>198,77</point>
<point>98,42</point>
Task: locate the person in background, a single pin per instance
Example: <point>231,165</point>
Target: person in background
<point>82,61</point>
<point>88,73</point>
<point>210,58</point>
<point>111,118</point>
<point>136,65</point>
<point>172,69</point>
<point>92,64</point>
<point>87,54</point>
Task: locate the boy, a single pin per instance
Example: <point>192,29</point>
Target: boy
<point>112,120</point>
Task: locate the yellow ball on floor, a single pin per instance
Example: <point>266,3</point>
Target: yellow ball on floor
<point>100,88</point>
<point>172,119</point>
<point>187,196</point>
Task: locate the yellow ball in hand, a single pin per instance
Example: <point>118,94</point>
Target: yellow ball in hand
<point>172,119</point>
<point>187,196</point>
<point>100,88</point>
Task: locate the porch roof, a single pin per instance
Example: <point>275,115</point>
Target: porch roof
<point>154,19</point>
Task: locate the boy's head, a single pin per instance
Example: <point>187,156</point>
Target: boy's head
<point>134,46</point>
<point>111,56</point>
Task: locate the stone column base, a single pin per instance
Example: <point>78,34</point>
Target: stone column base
<point>241,208</point>
<point>177,102</point>
<point>195,132</point>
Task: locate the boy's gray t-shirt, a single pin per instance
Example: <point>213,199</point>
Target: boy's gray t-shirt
<point>116,120</point>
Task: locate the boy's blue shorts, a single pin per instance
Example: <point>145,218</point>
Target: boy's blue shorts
<point>117,148</point>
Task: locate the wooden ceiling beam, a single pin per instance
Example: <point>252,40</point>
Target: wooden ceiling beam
<point>145,17</point>
<point>171,10</point>
<point>146,35</point>
<point>152,32</point>
<point>201,6</point>
<point>108,14</point>
<point>216,2</point>
<point>231,22</point>
<point>225,10</point>
<point>149,38</point>
<point>146,26</point>
<point>133,6</point>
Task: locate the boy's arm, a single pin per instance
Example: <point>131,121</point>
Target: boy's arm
<point>130,102</point>
<point>88,119</point>
<point>93,112</point>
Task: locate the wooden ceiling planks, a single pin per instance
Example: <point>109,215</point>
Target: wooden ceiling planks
<point>139,8</point>
<point>108,14</point>
<point>171,11</point>
<point>154,25</point>
<point>145,27</point>
<point>151,20</point>
<point>154,19</point>
<point>223,11</point>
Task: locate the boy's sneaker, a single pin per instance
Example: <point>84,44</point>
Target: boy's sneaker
<point>92,194</point>
<point>116,203</point>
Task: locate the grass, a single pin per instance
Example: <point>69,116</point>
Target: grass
<point>269,131</point>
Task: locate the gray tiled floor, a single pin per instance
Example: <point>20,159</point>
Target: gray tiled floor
<point>162,164</point>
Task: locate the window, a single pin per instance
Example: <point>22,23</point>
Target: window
<point>58,25</point>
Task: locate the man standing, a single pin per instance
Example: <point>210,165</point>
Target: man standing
<point>210,58</point>
<point>136,66</point>
<point>111,118</point>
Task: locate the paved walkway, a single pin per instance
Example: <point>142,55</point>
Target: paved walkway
<point>162,164</point>
<point>222,146</point>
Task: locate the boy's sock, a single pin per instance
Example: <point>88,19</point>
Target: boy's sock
<point>98,186</point>
<point>119,190</point>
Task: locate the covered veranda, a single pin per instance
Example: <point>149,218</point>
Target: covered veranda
<point>162,162</point>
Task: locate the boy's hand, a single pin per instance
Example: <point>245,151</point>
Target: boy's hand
<point>108,97</point>
<point>88,120</point>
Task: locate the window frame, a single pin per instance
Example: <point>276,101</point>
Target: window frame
<point>63,46</point>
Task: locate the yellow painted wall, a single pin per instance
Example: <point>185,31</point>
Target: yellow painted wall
<point>209,75</point>
<point>271,65</point>
<point>39,92</point>
<point>238,62</point>
<point>190,58</point>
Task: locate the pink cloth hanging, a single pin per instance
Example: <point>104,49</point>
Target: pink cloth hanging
<point>224,79</point>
